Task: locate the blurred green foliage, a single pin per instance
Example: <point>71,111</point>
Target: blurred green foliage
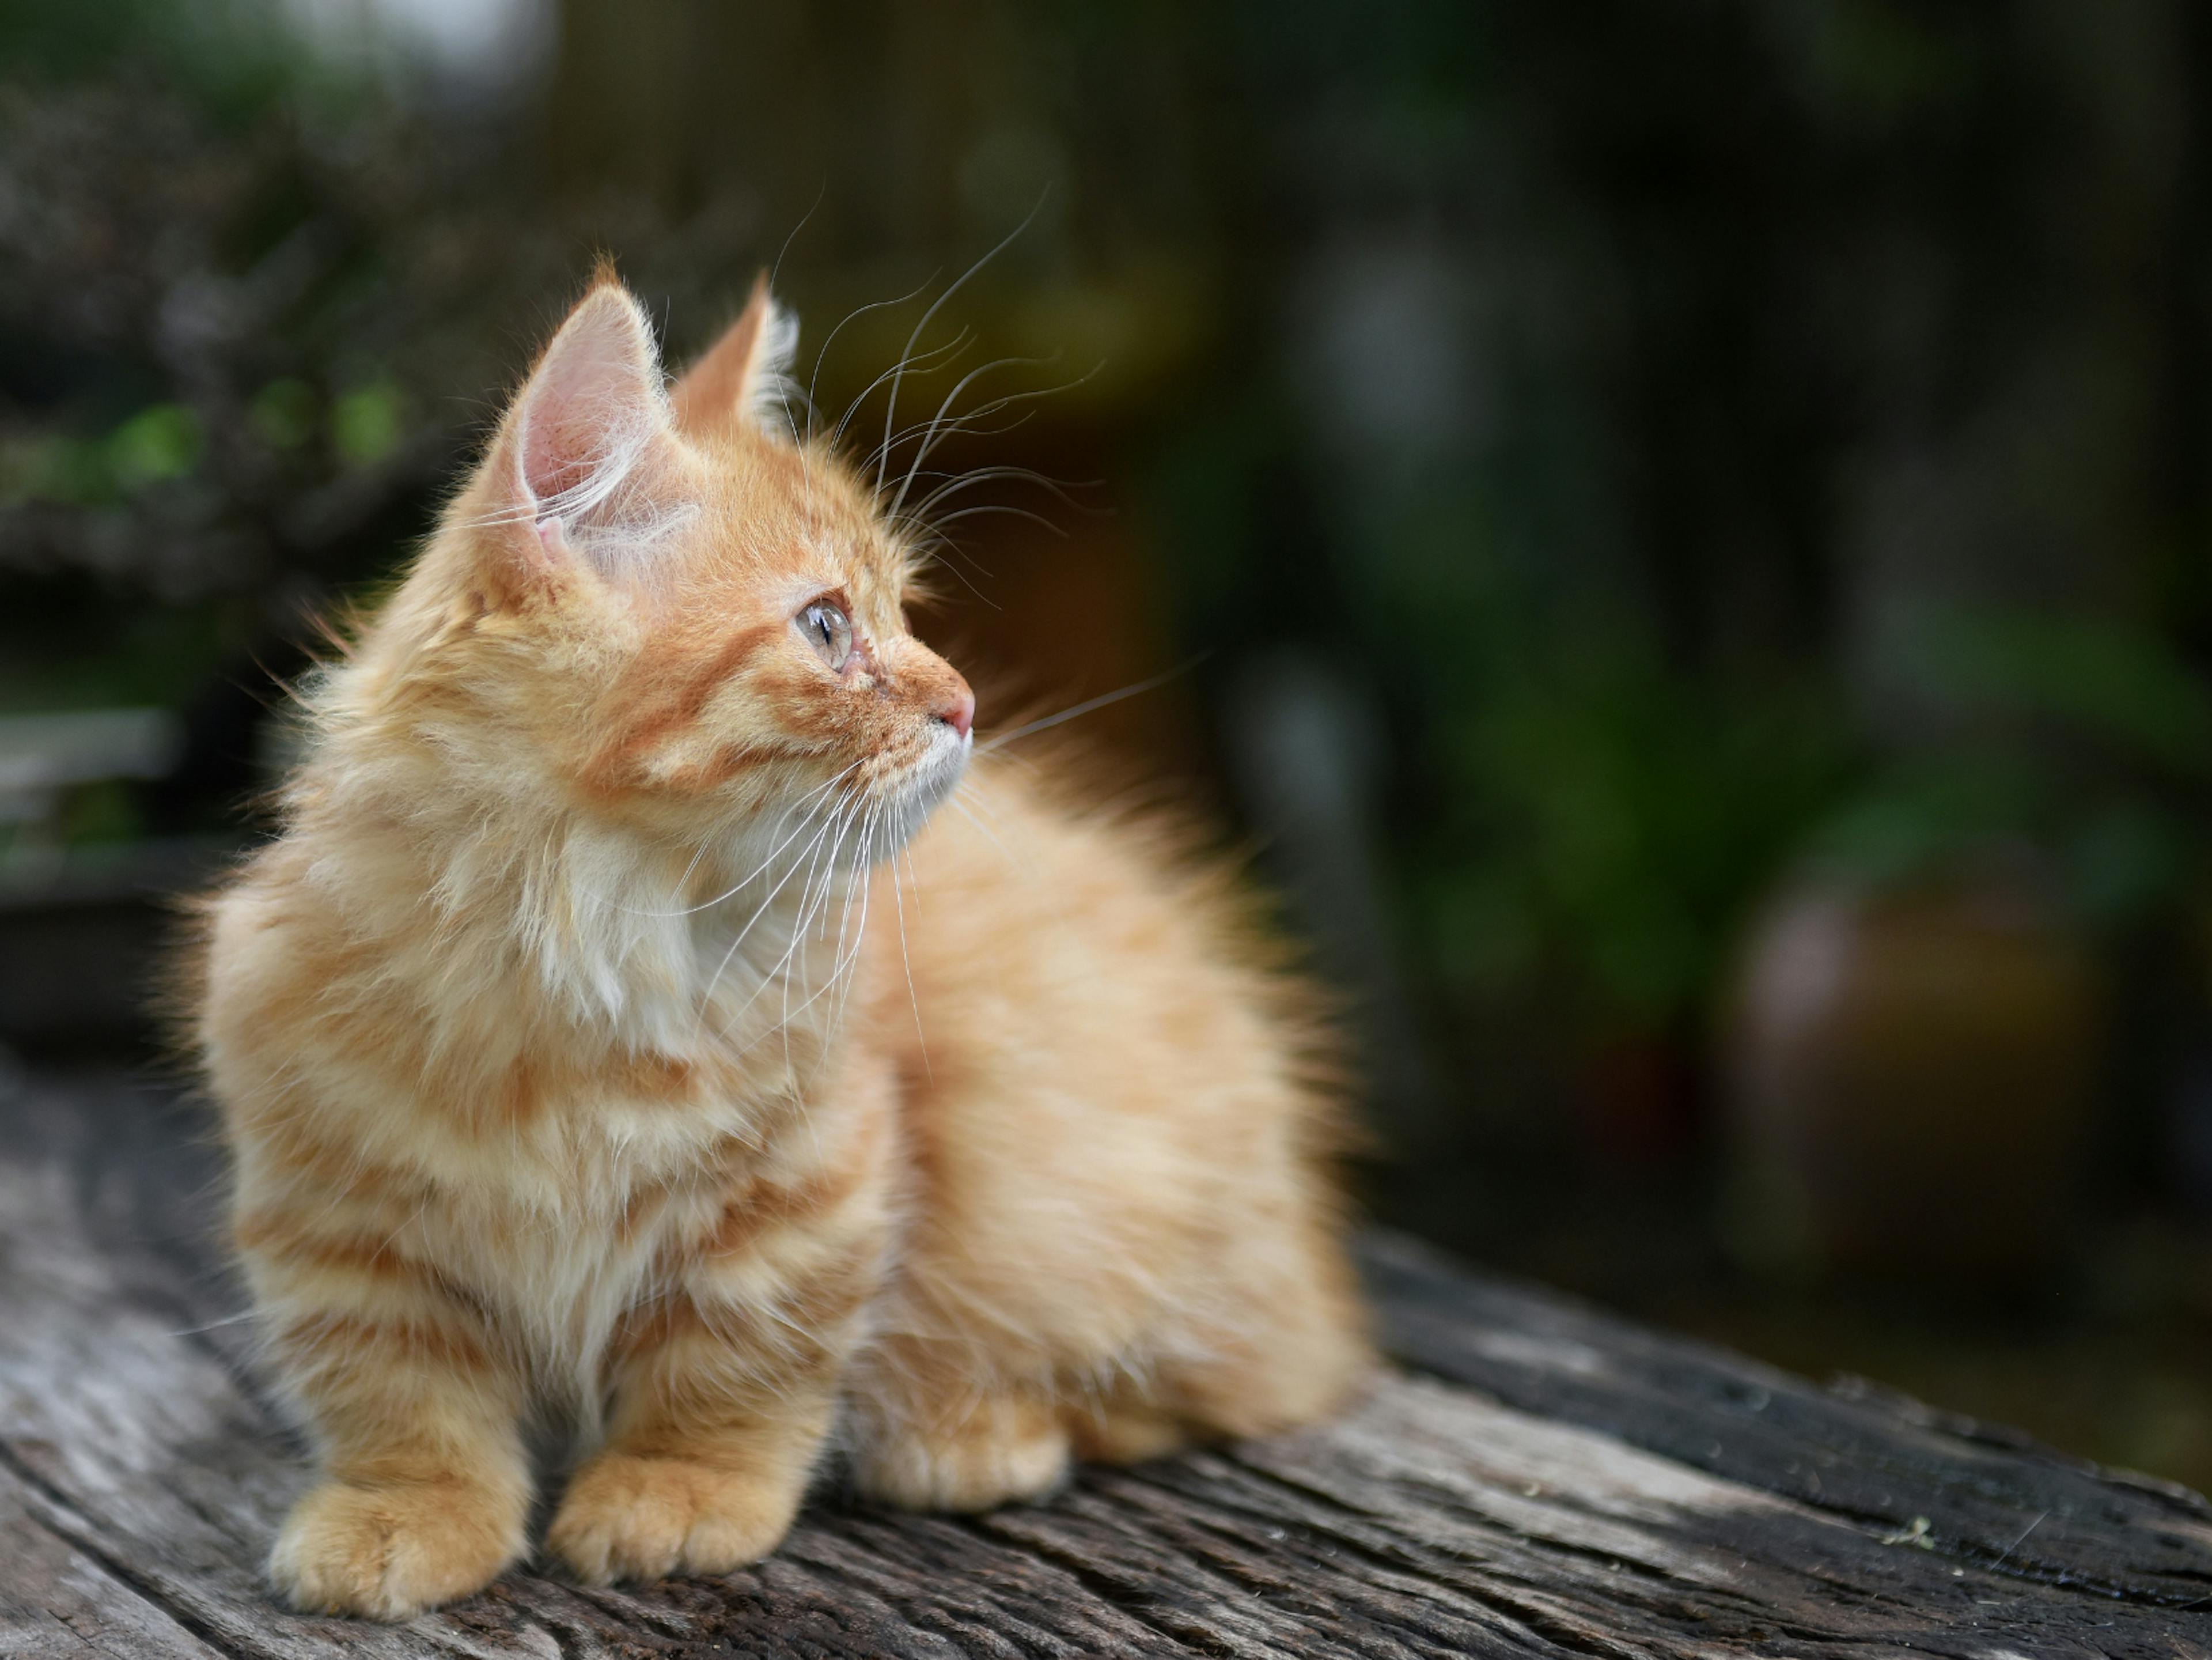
<point>160,442</point>
<point>2079,739</point>
<point>369,423</point>
<point>1621,821</point>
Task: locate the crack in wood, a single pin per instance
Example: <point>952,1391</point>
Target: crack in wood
<point>1191,1636</point>
<point>1532,1609</point>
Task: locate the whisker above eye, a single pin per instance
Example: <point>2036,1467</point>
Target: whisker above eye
<point>1000,509</point>
<point>814,378</point>
<point>949,351</point>
<point>956,484</point>
<point>930,438</point>
<point>890,408</point>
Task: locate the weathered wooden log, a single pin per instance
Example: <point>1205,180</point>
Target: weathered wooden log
<point>1538,1479</point>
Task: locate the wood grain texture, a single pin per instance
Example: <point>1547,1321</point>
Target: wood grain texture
<point>1541,1479</point>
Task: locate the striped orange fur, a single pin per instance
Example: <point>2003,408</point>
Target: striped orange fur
<point>619,1031</point>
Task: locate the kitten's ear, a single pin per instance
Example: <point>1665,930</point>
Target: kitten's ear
<point>582,463</point>
<point>742,377</point>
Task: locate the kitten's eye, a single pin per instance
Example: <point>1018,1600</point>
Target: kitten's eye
<point>828,632</point>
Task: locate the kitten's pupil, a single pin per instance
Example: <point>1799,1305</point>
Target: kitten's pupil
<point>830,632</point>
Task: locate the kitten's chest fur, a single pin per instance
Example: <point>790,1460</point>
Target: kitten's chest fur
<point>608,1203</point>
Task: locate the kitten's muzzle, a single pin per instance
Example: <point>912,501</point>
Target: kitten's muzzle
<point>940,768</point>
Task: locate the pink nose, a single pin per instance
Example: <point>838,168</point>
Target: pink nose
<point>957,711</point>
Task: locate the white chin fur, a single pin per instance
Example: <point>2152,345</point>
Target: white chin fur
<point>931,779</point>
<point>779,839</point>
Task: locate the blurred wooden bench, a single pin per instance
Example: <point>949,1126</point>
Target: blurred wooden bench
<point>1537,1480</point>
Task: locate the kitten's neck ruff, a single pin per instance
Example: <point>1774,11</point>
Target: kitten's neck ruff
<point>548,927</point>
<point>774,943</point>
<point>662,950</point>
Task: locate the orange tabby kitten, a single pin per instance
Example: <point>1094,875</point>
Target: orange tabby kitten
<point>570,1064</point>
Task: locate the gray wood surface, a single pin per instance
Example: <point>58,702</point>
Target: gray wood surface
<point>1538,1479</point>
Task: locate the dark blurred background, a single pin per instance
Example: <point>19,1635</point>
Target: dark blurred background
<point>1678,530</point>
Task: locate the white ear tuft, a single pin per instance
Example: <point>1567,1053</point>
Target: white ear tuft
<point>744,376</point>
<point>770,391</point>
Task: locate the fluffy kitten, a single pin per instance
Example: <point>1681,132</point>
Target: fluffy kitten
<point>570,1066</point>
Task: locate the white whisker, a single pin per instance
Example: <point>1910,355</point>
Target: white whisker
<point>706,997</point>
<point>890,410</point>
<point>814,379</point>
<point>950,351</point>
<point>906,957</point>
<point>937,422</point>
<point>742,882</point>
<point>1088,705</point>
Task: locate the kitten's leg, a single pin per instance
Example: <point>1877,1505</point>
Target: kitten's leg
<point>952,1402</point>
<point>1125,1423</point>
<point>723,1396</point>
<point>425,1485</point>
<point>943,1420</point>
<point>934,1430</point>
<point>1277,1338</point>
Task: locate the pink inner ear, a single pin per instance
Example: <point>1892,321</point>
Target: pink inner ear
<point>553,538</point>
<point>548,466</point>
<point>594,400</point>
<point>569,429</point>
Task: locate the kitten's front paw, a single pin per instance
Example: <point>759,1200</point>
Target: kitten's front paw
<point>627,1517</point>
<point>389,1553</point>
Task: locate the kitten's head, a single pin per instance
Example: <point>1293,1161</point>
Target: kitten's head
<point>692,620</point>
